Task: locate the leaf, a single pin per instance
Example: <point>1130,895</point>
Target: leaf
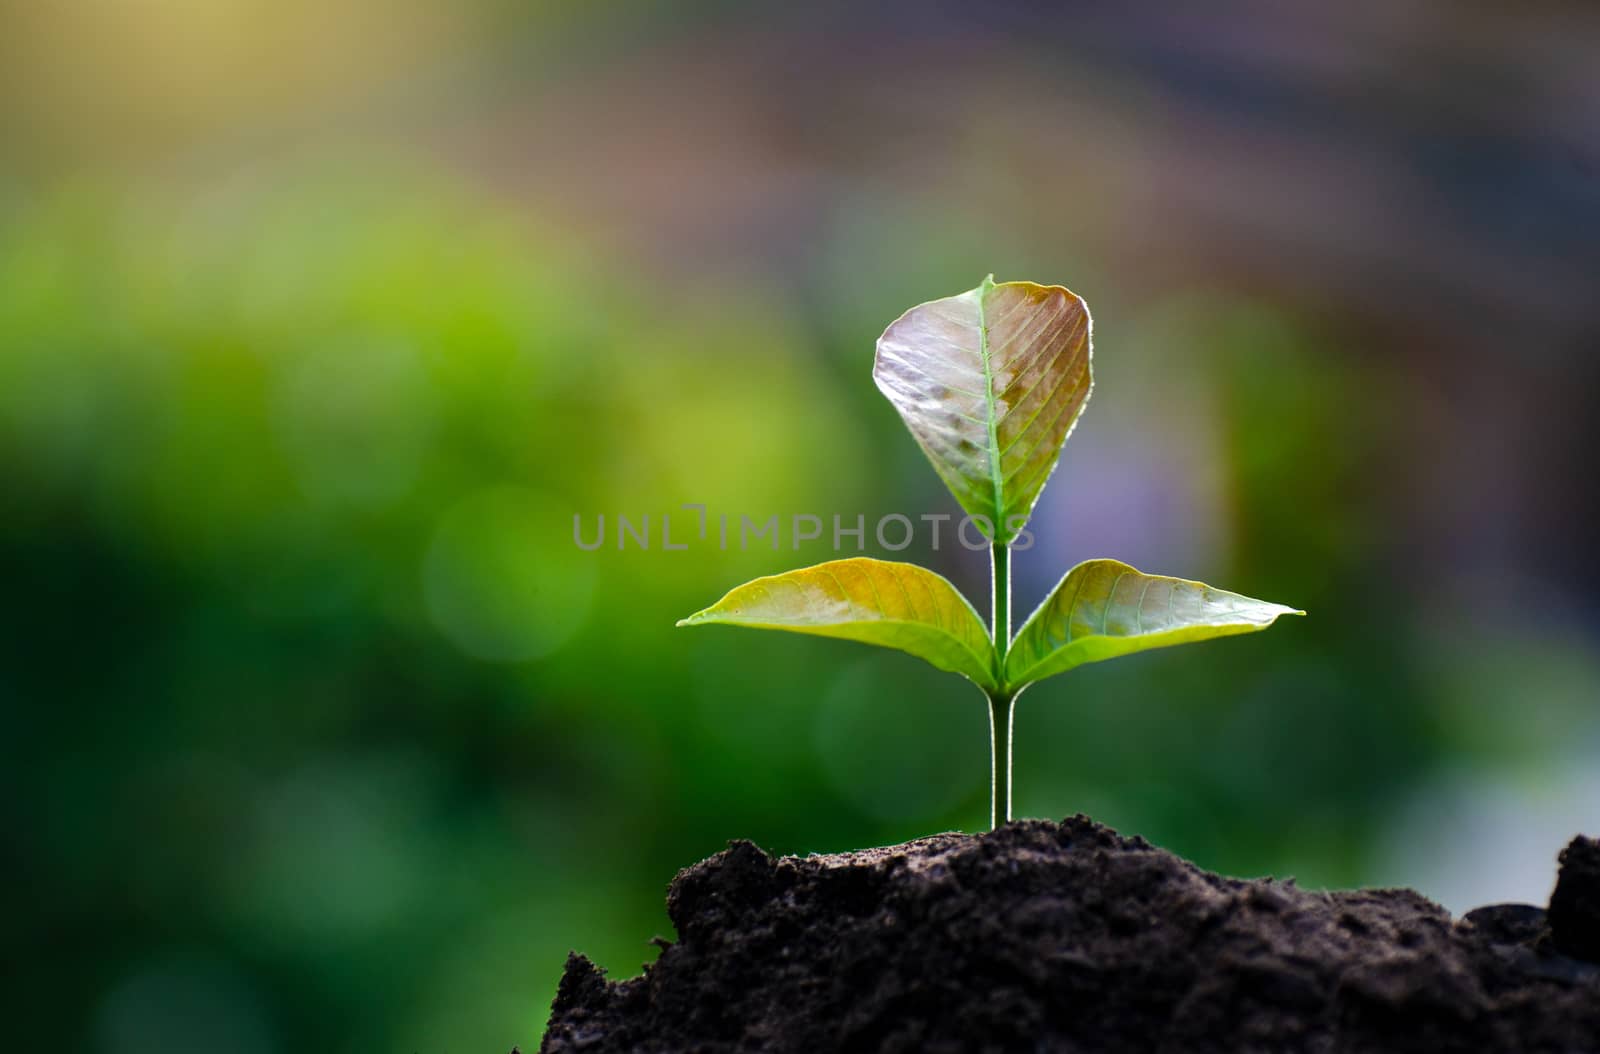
<point>1104,608</point>
<point>879,602</point>
<point>990,383</point>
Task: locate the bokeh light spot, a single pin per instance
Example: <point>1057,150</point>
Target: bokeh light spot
<point>182,1005</point>
<point>902,741</point>
<point>500,578</point>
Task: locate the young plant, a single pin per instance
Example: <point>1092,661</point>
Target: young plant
<point>991,383</point>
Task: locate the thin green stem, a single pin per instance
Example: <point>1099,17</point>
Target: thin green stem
<point>1002,710</point>
<point>1000,602</point>
<point>1001,703</point>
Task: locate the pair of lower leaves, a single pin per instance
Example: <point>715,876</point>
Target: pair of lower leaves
<point>1101,609</point>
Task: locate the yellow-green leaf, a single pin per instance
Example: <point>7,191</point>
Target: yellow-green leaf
<point>893,605</point>
<point>990,383</point>
<point>1104,608</point>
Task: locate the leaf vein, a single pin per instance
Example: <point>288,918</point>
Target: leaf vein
<point>1039,343</point>
<point>1067,391</point>
<point>1111,596</point>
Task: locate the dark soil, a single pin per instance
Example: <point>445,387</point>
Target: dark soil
<point>1067,937</point>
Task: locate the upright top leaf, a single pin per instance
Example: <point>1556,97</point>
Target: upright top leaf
<point>990,383</point>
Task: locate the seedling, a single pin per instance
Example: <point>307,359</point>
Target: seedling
<point>991,383</point>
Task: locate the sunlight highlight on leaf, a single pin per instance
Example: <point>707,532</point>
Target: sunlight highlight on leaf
<point>880,602</point>
<point>990,383</point>
<point>1104,608</point>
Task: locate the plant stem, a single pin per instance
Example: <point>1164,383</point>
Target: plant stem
<point>1001,710</point>
<point>1001,703</point>
<point>1000,600</point>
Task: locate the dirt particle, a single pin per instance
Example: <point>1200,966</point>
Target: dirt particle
<point>1575,905</point>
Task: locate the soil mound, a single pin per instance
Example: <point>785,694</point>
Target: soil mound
<point>1068,937</point>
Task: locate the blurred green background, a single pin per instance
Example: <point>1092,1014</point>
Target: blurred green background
<point>320,322</point>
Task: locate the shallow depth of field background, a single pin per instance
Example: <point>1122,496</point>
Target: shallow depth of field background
<point>319,323</point>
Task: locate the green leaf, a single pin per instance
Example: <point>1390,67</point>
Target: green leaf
<point>873,601</point>
<point>1104,608</point>
<point>990,383</point>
